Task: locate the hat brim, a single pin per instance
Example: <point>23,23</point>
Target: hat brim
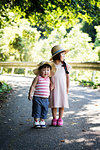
<point>52,72</point>
<point>65,50</point>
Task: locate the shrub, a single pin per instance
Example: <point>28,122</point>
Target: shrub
<point>4,87</point>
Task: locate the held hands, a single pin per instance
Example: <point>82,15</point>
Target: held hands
<point>52,87</point>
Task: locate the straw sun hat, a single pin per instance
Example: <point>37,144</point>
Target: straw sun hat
<point>57,49</point>
<point>52,72</point>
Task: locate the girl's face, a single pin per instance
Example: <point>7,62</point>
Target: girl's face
<point>62,56</point>
<point>45,72</point>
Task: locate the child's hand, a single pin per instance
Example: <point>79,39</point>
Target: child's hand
<point>30,97</point>
<point>67,90</point>
<point>52,87</point>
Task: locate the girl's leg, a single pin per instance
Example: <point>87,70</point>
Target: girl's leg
<point>60,121</point>
<point>54,120</point>
<point>61,112</point>
<point>54,112</point>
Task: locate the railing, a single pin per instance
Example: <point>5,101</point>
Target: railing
<point>75,65</point>
<point>14,65</point>
<point>95,66</point>
<point>85,65</point>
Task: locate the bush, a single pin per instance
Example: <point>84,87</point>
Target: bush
<point>4,87</point>
<point>19,71</point>
<point>89,84</point>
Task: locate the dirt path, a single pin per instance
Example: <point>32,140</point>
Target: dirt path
<point>81,130</point>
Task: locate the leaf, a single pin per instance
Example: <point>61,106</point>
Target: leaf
<point>62,141</point>
<point>28,120</point>
<point>21,124</point>
<point>83,130</point>
<point>73,123</point>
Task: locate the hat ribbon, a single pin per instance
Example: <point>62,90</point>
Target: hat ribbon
<point>57,51</point>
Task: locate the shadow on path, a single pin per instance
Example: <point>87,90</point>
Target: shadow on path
<point>81,130</point>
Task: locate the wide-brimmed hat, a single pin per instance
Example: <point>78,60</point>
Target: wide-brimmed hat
<point>57,49</point>
<point>53,68</point>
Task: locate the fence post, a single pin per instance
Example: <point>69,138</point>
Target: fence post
<point>93,76</point>
<point>1,70</point>
<point>13,70</point>
<point>26,71</point>
<point>77,72</point>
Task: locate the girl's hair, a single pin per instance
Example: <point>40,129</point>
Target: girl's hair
<point>45,66</point>
<point>57,57</point>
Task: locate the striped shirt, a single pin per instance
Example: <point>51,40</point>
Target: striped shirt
<point>42,88</point>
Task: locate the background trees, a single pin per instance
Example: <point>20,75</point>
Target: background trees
<point>29,29</point>
<point>17,41</point>
<point>97,41</point>
<point>53,13</point>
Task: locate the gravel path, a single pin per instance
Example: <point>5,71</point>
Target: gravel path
<point>81,130</point>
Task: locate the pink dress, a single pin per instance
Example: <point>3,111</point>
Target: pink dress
<point>59,96</point>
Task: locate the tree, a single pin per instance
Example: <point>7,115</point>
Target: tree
<point>52,13</point>
<point>17,41</point>
<point>97,41</point>
<point>79,43</point>
<point>90,29</point>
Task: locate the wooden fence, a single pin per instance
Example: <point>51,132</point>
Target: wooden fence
<point>75,65</point>
<point>95,66</point>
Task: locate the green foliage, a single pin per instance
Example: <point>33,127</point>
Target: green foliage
<point>4,87</point>
<point>97,41</point>
<point>89,84</point>
<point>90,29</point>
<point>17,45</point>
<point>19,71</point>
<point>17,41</point>
<point>84,78</point>
<point>79,43</point>
<point>25,43</point>
<point>49,14</point>
<point>86,83</point>
<point>21,41</point>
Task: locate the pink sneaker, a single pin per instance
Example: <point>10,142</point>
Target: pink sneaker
<point>60,122</point>
<point>54,122</point>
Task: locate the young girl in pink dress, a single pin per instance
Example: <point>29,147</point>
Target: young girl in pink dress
<point>59,95</point>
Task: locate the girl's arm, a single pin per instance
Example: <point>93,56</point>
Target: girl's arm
<point>51,85</point>
<point>67,83</point>
<point>32,88</point>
